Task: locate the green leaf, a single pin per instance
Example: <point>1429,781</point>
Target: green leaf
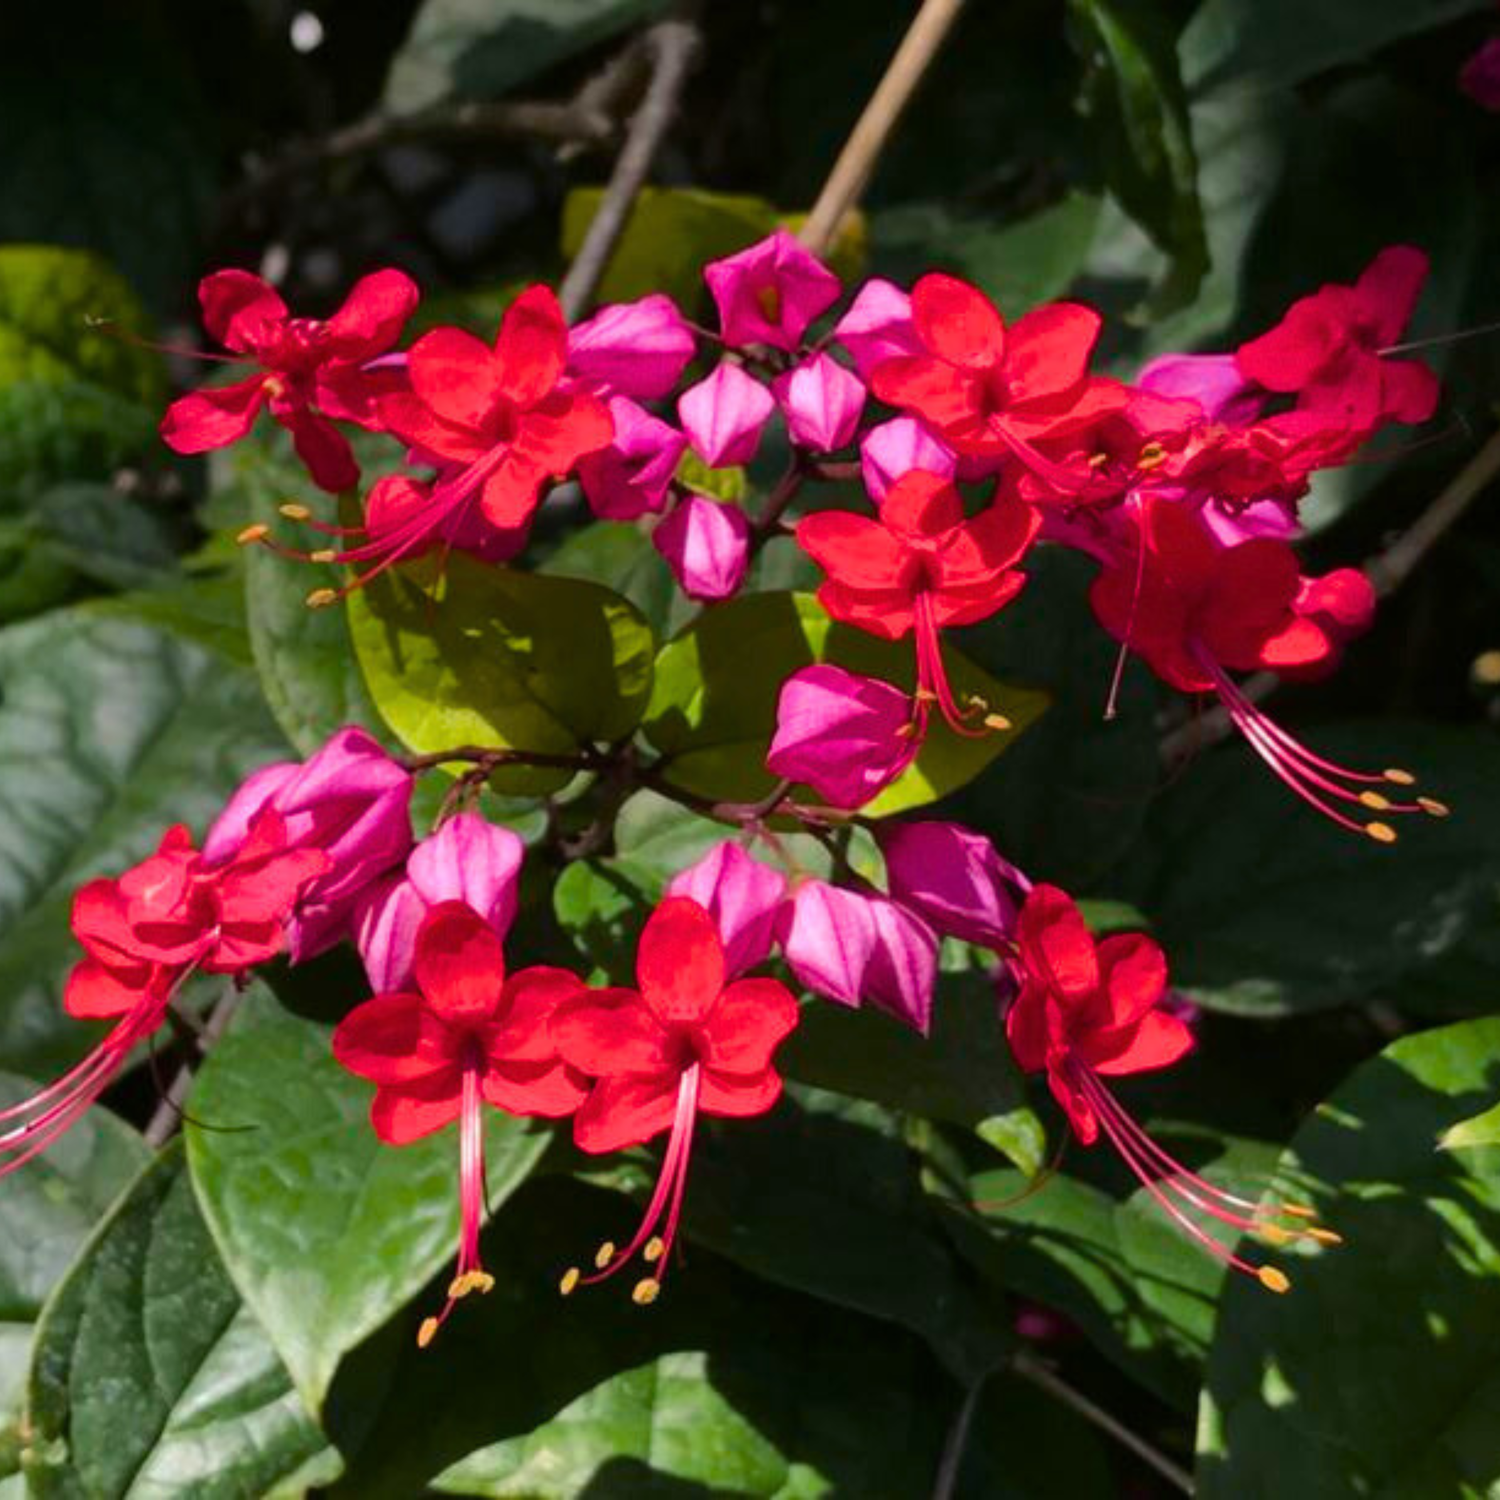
<point>1266,907</point>
<point>1482,1129</point>
<point>106,141</point>
<point>480,49</point>
<point>714,717</point>
<point>115,539</point>
<point>492,656</point>
<point>1135,97</point>
<point>110,731</point>
<point>47,1209</point>
<point>74,402</point>
<point>151,1377</point>
<point>1379,1372</point>
<point>622,558</point>
<point>325,1231</point>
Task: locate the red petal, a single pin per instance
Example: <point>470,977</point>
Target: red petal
<point>95,993</point>
<point>456,376</point>
<point>510,494</point>
<point>408,418</point>
<point>1388,289</point>
<point>523,1033</point>
<point>1249,600</point>
<point>323,449</point>
<point>394,1039</point>
<point>1134,971</point>
<point>406,1112</point>
<point>976,600</point>
<point>563,428</point>
<point>922,505</point>
<point>1028,1027</point>
<point>459,964</point>
<point>1056,947</point>
<point>854,550</point>
<point>737,1096</point>
<point>1287,356</point>
<point>214,416</point>
<point>550,1089</point>
<point>373,314</point>
<point>750,1021</point>
<point>623,1112</point>
<point>1079,1111</point>
<point>957,322</point>
<point>1159,1039</point>
<point>240,310</point>
<point>1409,391</point>
<point>1049,350</point>
<point>679,963</point>
<point>886,613</point>
<point>943,395</point>
<point>1303,644</point>
<point>532,346</point>
<point>996,539</point>
<point>608,1032</point>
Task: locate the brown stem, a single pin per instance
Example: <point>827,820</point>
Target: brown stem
<point>768,523</point>
<point>490,757</point>
<point>168,1113</point>
<point>1387,571</point>
<point>673,48</point>
<point>851,172</point>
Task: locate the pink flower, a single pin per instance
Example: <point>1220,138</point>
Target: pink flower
<point>743,897</point>
<point>953,878</point>
<point>468,859</point>
<point>637,349</point>
<point>350,799</point>
<point>723,415</point>
<point>893,448</point>
<point>851,947</point>
<point>1214,381</point>
<point>843,735</point>
<point>822,402</point>
<point>769,293</point>
<point>878,326</point>
<point>707,546</point>
<point>1480,76</point>
<point>631,475</point>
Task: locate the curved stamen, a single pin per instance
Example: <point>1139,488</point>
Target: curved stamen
<point>932,679</point>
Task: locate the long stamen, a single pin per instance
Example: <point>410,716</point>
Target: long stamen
<point>666,1200</point>
<point>469,1274</point>
<point>932,678</point>
<point>1112,702</point>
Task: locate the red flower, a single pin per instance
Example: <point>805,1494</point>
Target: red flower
<point>144,933</point>
<point>469,1037</point>
<point>1086,1011</point>
<point>1332,349</point>
<point>312,370</point>
<point>991,390</point>
<point>921,567</point>
<point>684,1042</point>
<point>1194,611</point>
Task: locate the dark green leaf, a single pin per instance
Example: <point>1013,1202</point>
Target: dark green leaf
<point>151,1377</point>
<point>109,732</point>
<point>325,1231</point>
<point>1379,1372</point>
<point>1482,1129</point>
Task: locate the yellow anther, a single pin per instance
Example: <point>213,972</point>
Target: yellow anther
<point>1150,456</point>
<point>1098,460</point>
<point>252,534</point>
<point>322,598</point>
<point>1324,1236</point>
<point>1375,801</point>
<point>1298,1211</point>
<point>1398,776</point>
<point>427,1332</point>
<point>1272,1279</point>
<point>1432,807</point>
<point>1382,833</point>
<point>470,1281</point>
<point>570,1280</point>
<point>655,1249</point>
<point>645,1292</point>
<point>294,512</point>
<point>906,731</point>
<point>323,555</point>
<point>604,1254</point>
<point>998,722</point>
<point>1274,1234</point>
<point>925,695</point>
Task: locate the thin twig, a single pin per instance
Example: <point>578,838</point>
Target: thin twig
<point>957,1441</point>
<point>168,1114</point>
<point>673,48</point>
<point>1387,571</point>
<point>1046,1379</point>
<point>851,172</point>
<point>492,757</point>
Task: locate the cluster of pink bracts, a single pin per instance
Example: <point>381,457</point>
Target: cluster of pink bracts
<point>1183,487</point>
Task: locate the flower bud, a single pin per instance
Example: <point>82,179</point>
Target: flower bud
<point>822,401</point>
<point>635,349</point>
<point>954,879</point>
<point>631,475</point>
<point>742,895</point>
<point>707,546</point>
<point>724,414</point>
<point>878,326</point>
<point>895,448</point>
<point>769,293</point>
<point>843,735</point>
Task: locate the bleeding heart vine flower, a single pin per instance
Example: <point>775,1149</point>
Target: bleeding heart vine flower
<point>1087,1011</point>
<point>466,1036</point>
<point>684,1043</point>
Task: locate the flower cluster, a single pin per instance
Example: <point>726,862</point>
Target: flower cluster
<point>976,439</point>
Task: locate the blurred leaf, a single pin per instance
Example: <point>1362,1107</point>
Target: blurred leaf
<point>206,610</point>
<point>151,1377</point>
<point>1380,1370</point>
<point>622,558</point>
<point>1135,99</point>
<point>480,49</point>
<point>493,656</point>
<point>1482,1129</point>
<point>326,1231</point>
<point>106,142</point>
<point>715,719</point>
<point>1266,907</point>
<point>1019,265</point>
<point>109,732</point>
<point>1270,44</point>
<point>113,538</point>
